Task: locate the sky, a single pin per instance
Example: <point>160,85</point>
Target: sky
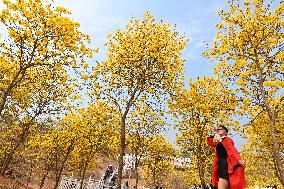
<point>195,18</point>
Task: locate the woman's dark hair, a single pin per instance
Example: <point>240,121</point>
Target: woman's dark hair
<point>225,128</point>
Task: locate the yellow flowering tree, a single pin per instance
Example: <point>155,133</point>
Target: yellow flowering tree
<point>258,152</point>
<point>51,150</point>
<point>157,164</point>
<point>249,50</point>
<point>29,112</point>
<point>144,124</point>
<point>74,143</point>
<point>96,128</point>
<point>143,64</point>
<point>191,176</point>
<point>41,41</point>
<point>40,46</point>
<point>207,104</point>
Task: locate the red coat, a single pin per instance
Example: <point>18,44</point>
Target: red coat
<point>236,177</point>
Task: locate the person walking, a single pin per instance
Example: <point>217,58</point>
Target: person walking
<point>228,166</point>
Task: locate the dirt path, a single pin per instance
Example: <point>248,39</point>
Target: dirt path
<point>6,183</point>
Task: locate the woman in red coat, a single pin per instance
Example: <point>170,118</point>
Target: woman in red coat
<point>228,166</point>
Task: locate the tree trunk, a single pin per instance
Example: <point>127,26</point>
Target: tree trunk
<point>154,176</point>
<point>22,138</point>
<point>122,137</point>
<point>276,152</point>
<point>8,159</point>
<point>200,172</point>
<point>83,174</point>
<point>42,181</point>
<point>122,149</point>
<point>16,79</point>
<point>59,173</point>
<point>30,174</point>
<point>3,102</point>
<point>6,164</point>
<point>136,172</point>
<point>202,176</point>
